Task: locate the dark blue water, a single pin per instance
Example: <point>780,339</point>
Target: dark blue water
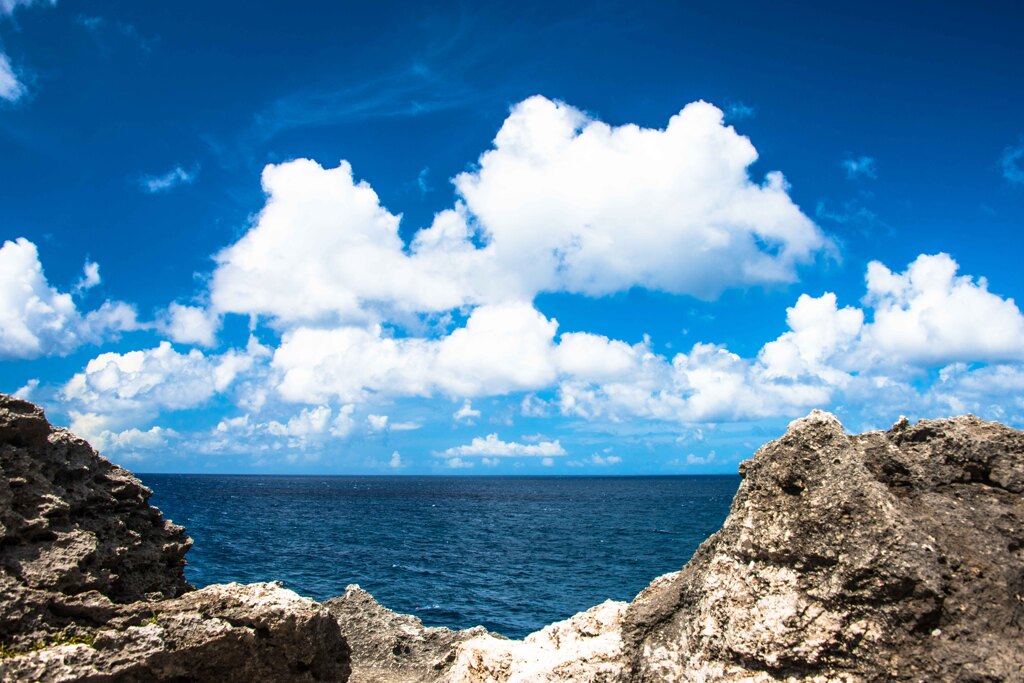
<point>510,553</point>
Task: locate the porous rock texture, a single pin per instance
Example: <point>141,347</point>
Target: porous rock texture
<point>92,585</point>
<point>886,556</point>
<point>392,647</point>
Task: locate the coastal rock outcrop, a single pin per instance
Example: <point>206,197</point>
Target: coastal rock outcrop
<point>393,647</point>
<point>895,555</point>
<point>92,583</point>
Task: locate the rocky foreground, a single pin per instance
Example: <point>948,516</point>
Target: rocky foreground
<point>893,555</point>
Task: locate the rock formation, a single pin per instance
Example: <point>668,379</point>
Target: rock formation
<point>92,584</point>
<point>893,555</point>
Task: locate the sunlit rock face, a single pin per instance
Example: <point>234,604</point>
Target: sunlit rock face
<point>883,556</point>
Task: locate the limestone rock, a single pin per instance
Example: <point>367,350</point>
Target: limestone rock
<point>232,632</point>
<point>92,586</point>
<point>388,647</point>
<point>586,648</point>
<point>885,556</point>
<point>75,530</point>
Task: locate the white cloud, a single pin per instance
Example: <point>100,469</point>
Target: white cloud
<point>466,413</point>
<point>396,461</point>
<point>122,389</point>
<point>501,349</point>
<point>494,447</point>
<point>90,277</point>
<point>458,463</point>
<point>922,318</point>
<point>693,459</point>
<point>572,204</point>
<point>11,87</point>
<point>38,320</point>
<point>309,422</point>
<point>929,315</point>
<point>562,202</point>
<point>27,390</point>
<point>193,325</point>
<point>860,167</point>
<point>377,423</point>
<point>8,6</point>
<point>167,181</point>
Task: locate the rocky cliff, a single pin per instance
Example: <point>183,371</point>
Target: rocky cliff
<point>92,584</point>
<point>893,555</point>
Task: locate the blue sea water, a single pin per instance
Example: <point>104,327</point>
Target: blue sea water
<point>510,553</point>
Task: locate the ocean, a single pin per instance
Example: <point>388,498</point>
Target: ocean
<point>509,553</point>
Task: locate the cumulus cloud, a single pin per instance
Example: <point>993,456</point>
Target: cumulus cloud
<point>396,461</point>
<point>501,349</point>
<point>193,325</point>
<point>90,277</point>
<point>923,318</point>
<point>118,390</point>
<point>561,203</point>
<point>38,320</point>
<point>929,315</point>
<point>11,86</point>
<point>492,446</point>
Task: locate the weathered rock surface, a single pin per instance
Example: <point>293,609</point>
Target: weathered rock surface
<point>892,555</point>
<point>885,556</point>
<point>392,647</point>
<point>232,632</point>
<point>92,585</point>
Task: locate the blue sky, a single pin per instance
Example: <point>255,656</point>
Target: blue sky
<point>505,238</point>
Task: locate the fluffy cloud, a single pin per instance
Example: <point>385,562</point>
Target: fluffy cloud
<point>466,413</point>
<point>501,349</point>
<point>190,325</point>
<point>562,203</point>
<point>923,318</point>
<point>36,319</point>
<point>929,315</point>
<point>573,204</point>
<point>492,446</point>
<point>11,87</point>
<point>117,390</point>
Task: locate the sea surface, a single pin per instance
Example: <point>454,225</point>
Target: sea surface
<point>509,553</point>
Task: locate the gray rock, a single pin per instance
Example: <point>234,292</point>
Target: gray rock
<point>388,647</point>
<point>75,529</point>
<point>92,586</point>
<point>886,556</point>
